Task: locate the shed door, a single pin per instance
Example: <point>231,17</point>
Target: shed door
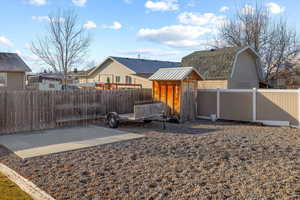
<point>170,98</point>
<point>170,94</point>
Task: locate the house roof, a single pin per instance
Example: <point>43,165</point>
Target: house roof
<point>215,64</point>
<point>143,65</point>
<point>12,62</point>
<point>174,74</point>
<point>47,76</point>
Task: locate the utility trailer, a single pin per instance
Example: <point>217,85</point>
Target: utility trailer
<point>144,112</point>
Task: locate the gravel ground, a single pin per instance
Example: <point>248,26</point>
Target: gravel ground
<point>197,160</point>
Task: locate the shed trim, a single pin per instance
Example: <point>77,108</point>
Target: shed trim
<point>173,74</point>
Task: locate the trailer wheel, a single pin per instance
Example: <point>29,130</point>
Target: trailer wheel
<point>147,121</point>
<point>112,120</point>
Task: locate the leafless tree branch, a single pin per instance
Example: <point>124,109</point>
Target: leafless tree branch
<point>273,39</point>
<point>66,43</point>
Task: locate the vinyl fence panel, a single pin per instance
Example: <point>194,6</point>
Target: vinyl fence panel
<point>236,106</point>
<point>267,106</point>
<point>278,106</point>
<point>206,103</point>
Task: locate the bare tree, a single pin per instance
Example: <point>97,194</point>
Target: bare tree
<point>281,48</point>
<point>65,45</point>
<point>253,26</point>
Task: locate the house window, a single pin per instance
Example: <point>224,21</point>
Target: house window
<point>107,80</point>
<point>3,79</point>
<point>118,79</point>
<point>128,79</point>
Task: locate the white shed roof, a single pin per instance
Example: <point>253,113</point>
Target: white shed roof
<point>173,74</point>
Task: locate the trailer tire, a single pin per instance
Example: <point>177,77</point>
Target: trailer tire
<point>147,121</point>
<point>113,120</point>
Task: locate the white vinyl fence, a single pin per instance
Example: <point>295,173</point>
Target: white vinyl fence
<point>269,106</point>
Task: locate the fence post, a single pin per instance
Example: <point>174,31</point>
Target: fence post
<point>218,103</point>
<point>254,104</point>
<point>298,108</point>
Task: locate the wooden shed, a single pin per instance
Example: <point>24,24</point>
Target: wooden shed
<point>177,88</point>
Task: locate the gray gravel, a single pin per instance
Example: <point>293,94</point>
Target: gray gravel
<point>196,160</point>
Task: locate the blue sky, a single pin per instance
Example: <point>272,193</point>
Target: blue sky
<point>155,29</point>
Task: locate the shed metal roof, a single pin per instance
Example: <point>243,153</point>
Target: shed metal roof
<point>173,74</point>
<point>12,62</point>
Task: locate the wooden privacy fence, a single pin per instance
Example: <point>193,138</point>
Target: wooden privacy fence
<point>272,107</point>
<point>37,110</point>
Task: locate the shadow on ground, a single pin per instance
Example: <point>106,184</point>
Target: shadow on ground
<point>186,128</point>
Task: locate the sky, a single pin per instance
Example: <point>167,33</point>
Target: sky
<point>153,29</point>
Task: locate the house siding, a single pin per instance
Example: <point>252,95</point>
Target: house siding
<point>15,80</point>
<point>111,69</point>
<point>143,81</point>
<point>245,75</point>
<point>213,84</point>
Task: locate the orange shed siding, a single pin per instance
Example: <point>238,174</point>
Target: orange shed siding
<point>168,92</point>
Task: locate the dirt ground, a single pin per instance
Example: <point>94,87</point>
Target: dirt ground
<point>197,160</point>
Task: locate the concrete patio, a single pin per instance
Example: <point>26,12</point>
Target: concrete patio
<point>40,143</point>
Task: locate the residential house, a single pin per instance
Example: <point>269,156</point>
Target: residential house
<point>45,81</point>
<point>287,76</point>
<point>12,72</point>
<point>226,68</point>
<point>129,71</point>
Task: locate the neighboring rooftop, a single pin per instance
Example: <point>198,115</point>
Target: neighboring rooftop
<point>213,64</point>
<point>174,74</point>
<point>145,66</point>
<point>12,62</point>
<point>49,75</point>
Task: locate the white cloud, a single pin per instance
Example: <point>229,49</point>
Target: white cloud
<point>5,41</point>
<point>162,5</point>
<point>32,56</point>
<point>37,2</point>
<point>19,52</point>
<point>275,8</point>
<point>200,20</point>
<point>191,44</point>
<point>46,18</point>
<point>90,25</point>
<point>175,36</point>
<point>247,10</point>
<point>115,26</point>
<point>224,9</point>
<point>152,52</point>
<point>40,18</point>
<point>79,3</point>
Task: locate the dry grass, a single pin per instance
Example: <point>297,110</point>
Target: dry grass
<point>10,191</point>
